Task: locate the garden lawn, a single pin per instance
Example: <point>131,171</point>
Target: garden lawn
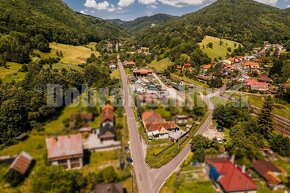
<point>101,160</point>
<point>160,65</point>
<point>217,50</point>
<point>188,80</point>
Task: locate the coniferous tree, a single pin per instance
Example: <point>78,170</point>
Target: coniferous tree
<point>265,118</point>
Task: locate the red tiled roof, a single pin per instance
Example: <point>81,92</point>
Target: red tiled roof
<point>22,163</point>
<point>207,66</point>
<point>187,65</point>
<point>251,64</point>
<point>142,71</point>
<point>232,178</point>
<point>130,63</point>
<point>150,117</point>
<point>63,147</point>
<point>264,167</point>
<point>107,113</point>
<point>157,126</point>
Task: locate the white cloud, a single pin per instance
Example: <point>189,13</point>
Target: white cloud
<point>99,6</point>
<point>288,6</point>
<point>268,2</point>
<point>84,12</point>
<point>147,2</point>
<point>112,8</point>
<point>125,3</point>
<point>182,3</point>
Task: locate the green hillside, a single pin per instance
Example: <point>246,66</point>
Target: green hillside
<point>143,23</point>
<point>53,19</point>
<point>245,21</point>
<point>26,25</point>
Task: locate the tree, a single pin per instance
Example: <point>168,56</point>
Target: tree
<point>229,49</point>
<point>210,45</point>
<point>265,118</point>
<point>57,179</point>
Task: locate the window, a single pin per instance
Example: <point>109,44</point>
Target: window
<point>75,163</point>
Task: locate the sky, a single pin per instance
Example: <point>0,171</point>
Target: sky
<point>131,9</point>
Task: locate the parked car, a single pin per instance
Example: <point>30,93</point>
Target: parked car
<point>129,159</point>
<point>220,129</point>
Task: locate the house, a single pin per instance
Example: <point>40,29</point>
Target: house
<point>176,136</point>
<point>107,116</point>
<point>156,127</point>
<point>187,65</point>
<point>265,78</point>
<point>251,65</point>
<point>108,130</point>
<point>142,72</point>
<point>229,177</point>
<point>129,63</point>
<point>181,119</point>
<point>178,67</point>
<point>205,68</point>
<point>22,163</point>
<point>113,66</point>
<point>257,86</point>
<point>85,130</point>
<point>161,130</point>
<point>147,98</point>
<point>268,171</point>
<point>66,151</point>
<point>143,50</point>
<point>109,188</point>
<point>107,133</point>
<point>150,117</point>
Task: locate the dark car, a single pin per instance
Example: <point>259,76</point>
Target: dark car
<point>129,159</point>
<point>220,128</point>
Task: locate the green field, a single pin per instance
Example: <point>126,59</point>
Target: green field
<point>72,55</point>
<point>11,72</point>
<point>160,65</point>
<point>217,50</point>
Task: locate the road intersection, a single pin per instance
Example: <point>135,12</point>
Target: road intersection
<point>151,180</point>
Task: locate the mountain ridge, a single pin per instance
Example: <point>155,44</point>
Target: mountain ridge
<point>245,21</point>
<point>141,23</point>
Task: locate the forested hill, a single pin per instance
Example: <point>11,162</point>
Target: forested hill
<point>142,23</point>
<point>245,21</point>
<point>32,23</point>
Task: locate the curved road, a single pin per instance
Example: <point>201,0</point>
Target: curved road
<point>150,180</point>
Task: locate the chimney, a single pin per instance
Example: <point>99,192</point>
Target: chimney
<point>244,169</point>
<point>232,159</point>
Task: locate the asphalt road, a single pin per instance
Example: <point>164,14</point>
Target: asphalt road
<point>149,180</point>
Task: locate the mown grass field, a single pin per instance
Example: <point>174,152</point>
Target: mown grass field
<point>72,55</point>
<point>160,65</point>
<point>217,50</point>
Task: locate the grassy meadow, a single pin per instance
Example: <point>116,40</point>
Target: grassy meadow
<point>217,50</point>
<point>160,65</point>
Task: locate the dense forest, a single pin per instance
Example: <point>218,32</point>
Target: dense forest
<point>30,24</point>
<point>244,21</point>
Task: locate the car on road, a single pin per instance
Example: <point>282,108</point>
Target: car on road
<point>219,140</point>
<point>130,160</point>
